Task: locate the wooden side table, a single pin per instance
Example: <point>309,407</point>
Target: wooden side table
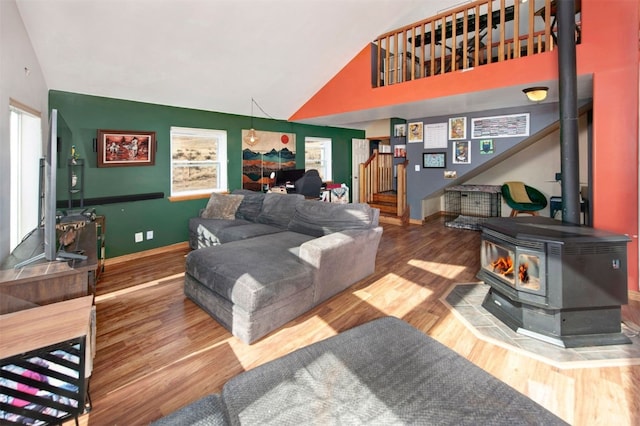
<point>46,358</point>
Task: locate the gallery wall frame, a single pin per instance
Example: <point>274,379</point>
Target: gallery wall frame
<point>434,160</point>
<point>400,151</point>
<point>462,152</point>
<point>400,130</point>
<point>125,148</point>
<point>416,132</point>
<point>500,126</point>
<point>458,128</point>
<point>486,146</point>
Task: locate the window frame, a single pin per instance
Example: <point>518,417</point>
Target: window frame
<point>326,161</point>
<point>25,140</point>
<point>222,160</point>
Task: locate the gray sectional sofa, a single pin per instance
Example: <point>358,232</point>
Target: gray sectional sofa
<point>275,257</point>
<point>384,372</point>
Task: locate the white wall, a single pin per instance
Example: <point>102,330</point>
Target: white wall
<point>536,166</point>
<point>30,89</point>
<point>379,128</point>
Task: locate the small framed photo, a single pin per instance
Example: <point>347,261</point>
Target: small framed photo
<point>416,132</point>
<point>450,174</point>
<point>461,152</point>
<point>486,146</point>
<point>400,130</point>
<point>458,128</point>
<point>121,148</point>
<point>434,160</point>
<point>400,151</point>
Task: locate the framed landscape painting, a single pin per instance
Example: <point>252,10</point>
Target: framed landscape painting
<point>121,148</point>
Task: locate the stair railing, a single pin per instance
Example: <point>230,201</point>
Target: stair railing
<point>377,175</point>
<point>401,171</point>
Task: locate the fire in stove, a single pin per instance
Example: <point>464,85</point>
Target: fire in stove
<point>517,268</point>
<point>503,265</point>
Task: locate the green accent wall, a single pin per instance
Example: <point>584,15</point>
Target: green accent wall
<point>84,115</point>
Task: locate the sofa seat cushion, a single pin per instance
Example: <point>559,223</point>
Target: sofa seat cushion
<point>204,232</point>
<point>249,230</point>
<point>318,219</point>
<point>278,209</point>
<point>253,273</point>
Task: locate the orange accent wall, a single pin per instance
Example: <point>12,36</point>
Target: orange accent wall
<point>609,51</point>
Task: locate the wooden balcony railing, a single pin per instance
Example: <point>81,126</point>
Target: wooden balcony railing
<point>472,35</point>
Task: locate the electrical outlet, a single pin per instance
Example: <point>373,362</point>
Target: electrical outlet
<point>138,237</point>
<point>149,235</point>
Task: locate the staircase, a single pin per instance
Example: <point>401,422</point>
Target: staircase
<point>377,188</point>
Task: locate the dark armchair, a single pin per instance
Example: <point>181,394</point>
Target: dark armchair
<point>309,184</point>
<point>523,198</point>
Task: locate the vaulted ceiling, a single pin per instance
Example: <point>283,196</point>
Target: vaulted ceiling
<point>215,55</point>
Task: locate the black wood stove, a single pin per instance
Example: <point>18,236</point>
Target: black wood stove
<point>560,283</point>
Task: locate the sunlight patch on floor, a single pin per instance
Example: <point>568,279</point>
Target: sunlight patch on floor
<point>114,294</point>
<point>451,271</point>
<point>394,301</point>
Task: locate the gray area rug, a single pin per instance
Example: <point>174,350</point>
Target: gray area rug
<point>465,301</point>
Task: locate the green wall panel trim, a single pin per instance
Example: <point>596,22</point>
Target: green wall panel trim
<point>85,114</point>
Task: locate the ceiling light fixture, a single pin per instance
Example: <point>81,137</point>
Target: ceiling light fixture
<point>251,138</point>
<point>536,94</point>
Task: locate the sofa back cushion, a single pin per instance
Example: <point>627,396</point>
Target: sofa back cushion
<point>317,218</point>
<point>251,204</point>
<point>221,206</point>
<point>278,209</point>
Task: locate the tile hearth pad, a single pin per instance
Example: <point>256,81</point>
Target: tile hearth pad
<point>465,301</point>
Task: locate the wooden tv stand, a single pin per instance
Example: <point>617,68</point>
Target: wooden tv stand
<point>44,282</point>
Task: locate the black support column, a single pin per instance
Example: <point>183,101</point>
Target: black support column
<point>568,98</point>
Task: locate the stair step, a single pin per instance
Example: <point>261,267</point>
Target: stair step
<point>385,207</point>
<point>385,198</point>
<point>391,219</point>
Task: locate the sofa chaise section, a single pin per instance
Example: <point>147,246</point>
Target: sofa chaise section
<point>384,372</point>
<point>251,287</point>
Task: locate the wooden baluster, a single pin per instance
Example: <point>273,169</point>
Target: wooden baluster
<point>501,51</point>
<point>476,42</point>
<point>530,40</point>
<point>443,23</point>
<point>489,33</point>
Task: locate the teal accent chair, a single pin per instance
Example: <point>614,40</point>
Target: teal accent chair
<point>538,201</point>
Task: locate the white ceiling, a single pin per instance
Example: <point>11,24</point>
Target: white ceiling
<point>216,55</point>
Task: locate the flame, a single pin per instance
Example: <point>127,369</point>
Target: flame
<point>523,273</point>
<point>503,265</point>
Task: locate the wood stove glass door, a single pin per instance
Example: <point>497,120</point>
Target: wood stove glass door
<point>530,272</point>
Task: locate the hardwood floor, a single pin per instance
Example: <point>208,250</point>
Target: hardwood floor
<point>157,351</point>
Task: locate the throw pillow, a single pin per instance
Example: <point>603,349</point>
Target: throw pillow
<point>518,192</point>
<point>251,204</point>
<point>222,206</point>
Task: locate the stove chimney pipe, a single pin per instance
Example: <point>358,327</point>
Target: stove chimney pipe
<point>568,102</point>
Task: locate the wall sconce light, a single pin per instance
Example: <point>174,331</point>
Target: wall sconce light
<point>251,138</point>
<point>536,94</point>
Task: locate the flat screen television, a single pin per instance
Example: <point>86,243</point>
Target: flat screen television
<point>48,179</point>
